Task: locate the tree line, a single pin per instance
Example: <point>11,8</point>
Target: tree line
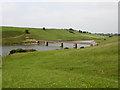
<point>107,34</point>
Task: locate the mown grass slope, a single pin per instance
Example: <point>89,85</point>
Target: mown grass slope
<point>17,35</point>
<point>93,67</point>
<point>0,72</point>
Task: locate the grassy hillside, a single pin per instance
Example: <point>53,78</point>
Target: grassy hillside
<point>17,35</point>
<point>0,72</point>
<point>93,67</point>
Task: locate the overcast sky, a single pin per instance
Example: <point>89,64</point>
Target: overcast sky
<point>90,16</point>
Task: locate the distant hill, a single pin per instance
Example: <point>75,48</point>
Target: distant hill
<point>18,34</point>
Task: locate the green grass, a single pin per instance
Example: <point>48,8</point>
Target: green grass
<point>0,72</point>
<point>0,59</point>
<point>17,35</point>
<point>93,67</point>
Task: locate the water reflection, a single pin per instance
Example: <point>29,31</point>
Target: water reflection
<point>42,47</point>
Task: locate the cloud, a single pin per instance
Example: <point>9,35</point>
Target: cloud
<point>59,0</point>
<point>100,17</point>
<point>9,7</point>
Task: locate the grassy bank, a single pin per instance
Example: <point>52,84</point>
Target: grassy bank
<point>93,67</point>
<point>0,72</point>
<point>17,35</point>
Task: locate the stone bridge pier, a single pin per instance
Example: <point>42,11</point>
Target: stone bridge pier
<point>46,43</point>
<point>75,45</point>
<point>61,44</point>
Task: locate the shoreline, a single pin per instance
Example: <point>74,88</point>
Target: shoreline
<point>35,43</point>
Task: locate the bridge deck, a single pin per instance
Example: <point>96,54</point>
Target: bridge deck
<point>73,42</point>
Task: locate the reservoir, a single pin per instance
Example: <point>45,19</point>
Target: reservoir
<point>42,47</point>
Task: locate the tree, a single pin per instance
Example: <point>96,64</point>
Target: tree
<point>89,32</point>
<point>71,29</point>
<point>80,31</point>
<point>84,32</point>
<point>43,28</point>
<point>27,32</point>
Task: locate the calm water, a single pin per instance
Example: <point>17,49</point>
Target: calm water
<point>41,47</point>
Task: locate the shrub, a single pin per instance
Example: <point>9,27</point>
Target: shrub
<point>84,32</point>
<point>71,31</point>
<point>21,50</point>
<point>66,48</point>
<point>80,31</point>
<point>30,50</point>
<point>43,28</point>
<point>27,32</point>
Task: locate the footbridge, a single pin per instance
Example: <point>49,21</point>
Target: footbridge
<point>90,42</point>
